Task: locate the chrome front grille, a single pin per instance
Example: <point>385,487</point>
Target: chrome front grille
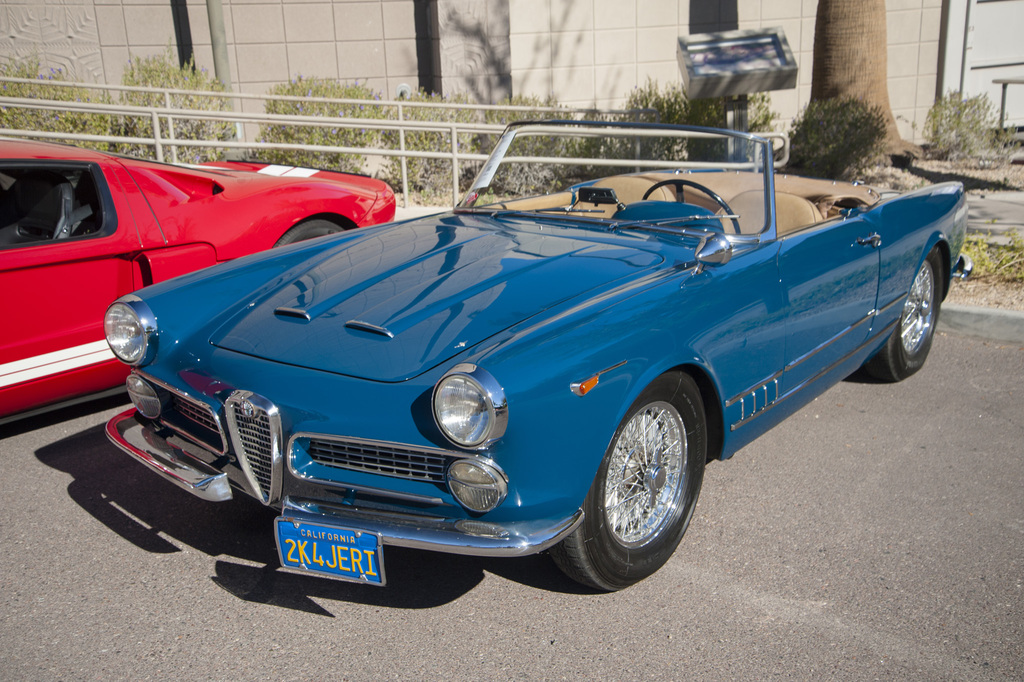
<point>201,415</point>
<point>255,427</point>
<point>190,417</point>
<point>388,459</point>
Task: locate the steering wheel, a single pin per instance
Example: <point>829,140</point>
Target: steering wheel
<point>680,183</point>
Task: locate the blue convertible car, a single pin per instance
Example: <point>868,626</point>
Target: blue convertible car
<point>549,365</point>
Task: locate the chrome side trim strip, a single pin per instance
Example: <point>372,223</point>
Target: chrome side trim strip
<point>814,351</point>
<point>746,418</point>
<point>172,463</point>
<point>473,537</point>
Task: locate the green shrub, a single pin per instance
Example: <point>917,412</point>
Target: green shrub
<point>59,121</point>
<point>999,261</point>
<point>431,177</point>
<point>163,71</point>
<point>314,87</point>
<point>837,138</point>
<point>673,107</point>
<point>959,128</point>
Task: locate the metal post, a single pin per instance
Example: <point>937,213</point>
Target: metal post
<point>170,128</point>
<point>157,142</point>
<point>404,161</point>
<point>455,166</point>
<point>219,43</point>
<point>1002,108</point>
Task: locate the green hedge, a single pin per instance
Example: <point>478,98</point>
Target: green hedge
<point>313,87</point>
<point>837,138</point>
<point>71,122</point>
<point>163,71</point>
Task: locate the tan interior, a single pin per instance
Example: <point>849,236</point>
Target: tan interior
<point>799,202</point>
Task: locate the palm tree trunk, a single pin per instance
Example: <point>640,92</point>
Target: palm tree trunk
<point>850,58</point>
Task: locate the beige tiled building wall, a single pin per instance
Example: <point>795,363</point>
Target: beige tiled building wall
<point>584,52</point>
<point>591,52</point>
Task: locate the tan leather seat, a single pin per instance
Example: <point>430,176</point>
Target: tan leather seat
<point>793,212</point>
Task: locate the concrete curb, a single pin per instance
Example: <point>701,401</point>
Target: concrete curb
<point>987,323</point>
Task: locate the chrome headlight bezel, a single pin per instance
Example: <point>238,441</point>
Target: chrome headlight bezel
<point>491,416</point>
<point>131,312</point>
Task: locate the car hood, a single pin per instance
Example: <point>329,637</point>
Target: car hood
<point>393,302</point>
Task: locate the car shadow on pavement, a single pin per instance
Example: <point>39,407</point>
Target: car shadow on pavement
<point>157,517</point>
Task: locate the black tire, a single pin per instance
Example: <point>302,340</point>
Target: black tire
<point>615,548</point>
<point>907,347</point>
<point>308,230</point>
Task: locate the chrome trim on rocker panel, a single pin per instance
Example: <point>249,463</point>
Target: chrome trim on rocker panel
<point>888,329</point>
<point>178,393</point>
<point>254,424</point>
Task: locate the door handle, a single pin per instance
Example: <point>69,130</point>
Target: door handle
<point>874,239</point>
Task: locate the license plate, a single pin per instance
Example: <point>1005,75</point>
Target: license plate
<point>332,551</point>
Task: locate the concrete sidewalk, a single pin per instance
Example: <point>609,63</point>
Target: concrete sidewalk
<point>996,214</point>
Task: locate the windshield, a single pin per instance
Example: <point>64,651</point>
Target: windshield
<point>662,175</point>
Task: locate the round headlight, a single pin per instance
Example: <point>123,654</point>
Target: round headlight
<point>478,485</point>
<point>128,326</point>
<point>143,396</point>
<point>470,407</point>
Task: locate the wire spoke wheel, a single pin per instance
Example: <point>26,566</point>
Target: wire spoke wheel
<point>907,347</point>
<point>645,474</point>
<point>918,312</point>
<point>645,490</point>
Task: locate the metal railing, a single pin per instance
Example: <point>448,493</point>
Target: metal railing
<point>169,145</point>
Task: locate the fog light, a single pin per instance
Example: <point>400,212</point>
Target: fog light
<point>143,396</point>
<point>477,485</point>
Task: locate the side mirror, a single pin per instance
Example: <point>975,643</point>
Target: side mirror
<point>715,250</point>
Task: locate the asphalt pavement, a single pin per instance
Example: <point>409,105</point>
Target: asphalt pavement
<point>876,534</point>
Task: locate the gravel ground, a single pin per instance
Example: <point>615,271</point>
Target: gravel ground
<point>1004,177</point>
<point>977,180</point>
<point>987,294</point>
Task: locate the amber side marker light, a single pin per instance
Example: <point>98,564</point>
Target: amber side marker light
<point>581,388</point>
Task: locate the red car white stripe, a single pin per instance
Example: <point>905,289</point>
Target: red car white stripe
<point>54,363</point>
<point>288,171</point>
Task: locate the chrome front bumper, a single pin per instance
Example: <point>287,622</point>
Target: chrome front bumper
<point>166,459</point>
<point>454,536</point>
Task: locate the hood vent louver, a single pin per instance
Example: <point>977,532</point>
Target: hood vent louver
<point>367,327</point>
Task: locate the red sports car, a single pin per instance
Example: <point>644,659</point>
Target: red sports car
<point>80,228</point>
